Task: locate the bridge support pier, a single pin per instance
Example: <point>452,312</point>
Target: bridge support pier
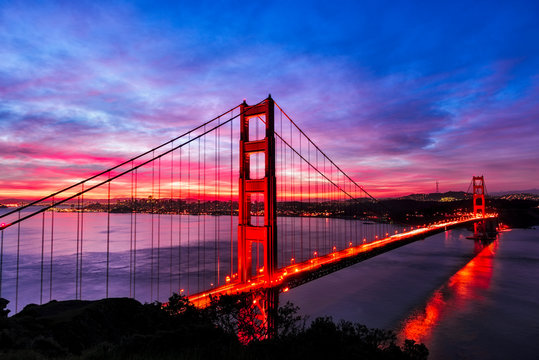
<point>267,302</point>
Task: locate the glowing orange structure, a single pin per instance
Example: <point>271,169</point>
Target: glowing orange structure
<point>266,186</point>
<point>248,233</point>
<point>478,186</point>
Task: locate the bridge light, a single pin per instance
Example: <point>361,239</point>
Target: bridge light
<point>286,289</point>
<point>227,279</point>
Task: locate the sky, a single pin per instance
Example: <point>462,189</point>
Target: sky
<point>399,94</point>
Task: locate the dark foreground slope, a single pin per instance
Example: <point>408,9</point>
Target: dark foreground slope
<point>123,328</point>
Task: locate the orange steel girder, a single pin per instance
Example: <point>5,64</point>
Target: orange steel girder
<point>248,233</point>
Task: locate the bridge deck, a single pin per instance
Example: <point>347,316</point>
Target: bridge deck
<point>297,274</point>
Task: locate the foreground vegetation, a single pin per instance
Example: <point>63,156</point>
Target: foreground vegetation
<point>123,328</point>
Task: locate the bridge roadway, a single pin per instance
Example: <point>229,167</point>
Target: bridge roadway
<point>300,273</point>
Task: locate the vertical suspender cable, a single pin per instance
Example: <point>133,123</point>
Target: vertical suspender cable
<point>135,236</point>
<point>189,215</point>
<point>331,189</point>
<point>77,253</point>
<point>318,198</point>
<point>301,201</point>
<point>351,215</point>
<point>309,200</point>
<point>108,239</point>
<point>216,177</point>
<point>171,217</point>
<point>180,222</point>
<point>1,259</point>
<point>52,249</point>
<point>324,187</point>
<point>81,241</point>
<point>42,257</point>
<point>294,192</point>
<point>159,210</point>
<point>288,252</point>
<point>281,194</point>
<point>204,201</point>
<point>356,219</point>
<point>131,207</point>
<point>198,219</point>
<point>18,258</point>
<point>152,226</point>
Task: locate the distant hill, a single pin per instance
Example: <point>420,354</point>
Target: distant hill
<point>520,196</point>
<point>461,195</point>
<point>502,193</point>
<point>447,196</point>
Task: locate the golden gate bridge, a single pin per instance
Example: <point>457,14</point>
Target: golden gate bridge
<point>201,216</point>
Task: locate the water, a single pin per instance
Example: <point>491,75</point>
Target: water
<point>462,300</point>
<point>151,255</point>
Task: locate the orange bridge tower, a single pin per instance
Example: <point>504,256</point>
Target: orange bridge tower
<point>264,302</point>
<point>478,185</point>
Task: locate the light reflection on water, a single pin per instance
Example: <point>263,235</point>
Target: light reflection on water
<point>468,284</point>
<point>437,292</point>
